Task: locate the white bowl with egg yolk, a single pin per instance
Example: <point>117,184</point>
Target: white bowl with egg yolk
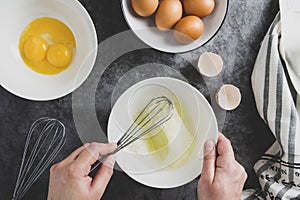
<point>22,81</point>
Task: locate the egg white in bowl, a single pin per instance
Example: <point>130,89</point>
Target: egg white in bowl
<point>18,78</point>
<point>181,162</point>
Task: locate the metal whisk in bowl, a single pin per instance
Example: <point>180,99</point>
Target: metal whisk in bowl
<point>45,139</point>
<point>158,111</point>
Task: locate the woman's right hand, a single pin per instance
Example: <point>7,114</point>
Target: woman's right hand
<point>222,176</point>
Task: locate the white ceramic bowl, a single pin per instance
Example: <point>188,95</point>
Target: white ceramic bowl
<point>19,79</point>
<point>196,112</point>
<point>145,29</point>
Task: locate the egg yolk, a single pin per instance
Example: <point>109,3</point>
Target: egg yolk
<point>35,48</point>
<point>59,55</point>
<point>47,46</point>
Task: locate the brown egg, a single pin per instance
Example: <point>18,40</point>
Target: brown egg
<point>188,29</point>
<point>200,8</point>
<point>168,14</point>
<point>144,8</point>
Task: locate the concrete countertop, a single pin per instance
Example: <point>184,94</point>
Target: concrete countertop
<point>238,42</point>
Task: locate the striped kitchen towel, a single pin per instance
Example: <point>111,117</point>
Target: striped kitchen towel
<point>278,103</point>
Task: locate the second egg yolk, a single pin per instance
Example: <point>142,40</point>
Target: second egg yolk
<point>59,55</point>
<point>35,48</point>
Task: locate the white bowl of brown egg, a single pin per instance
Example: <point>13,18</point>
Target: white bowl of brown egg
<point>175,26</point>
<point>48,49</point>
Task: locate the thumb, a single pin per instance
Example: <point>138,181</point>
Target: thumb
<point>209,162</point>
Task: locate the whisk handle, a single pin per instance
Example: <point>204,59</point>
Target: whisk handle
<point>98,162</point>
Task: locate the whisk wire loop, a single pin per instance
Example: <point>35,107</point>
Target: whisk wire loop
<point>148,118</point>
<point>45,139</point>
<point>158,111</point>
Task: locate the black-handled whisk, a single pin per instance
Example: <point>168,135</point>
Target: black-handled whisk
<point>158,111</point>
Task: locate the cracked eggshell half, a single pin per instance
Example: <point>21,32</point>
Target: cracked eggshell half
<point>229,97</point>
<point>210,64</point>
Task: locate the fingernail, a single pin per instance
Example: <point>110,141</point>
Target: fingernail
<point>208,146</point>
<point>86,144</point>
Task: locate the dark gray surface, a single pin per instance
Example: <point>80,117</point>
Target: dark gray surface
<point>237,42</point>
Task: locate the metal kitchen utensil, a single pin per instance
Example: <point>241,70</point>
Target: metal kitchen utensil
<point>45,139</point>
<point>158,111</point>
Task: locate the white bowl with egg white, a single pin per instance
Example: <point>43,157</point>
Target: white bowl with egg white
<point>179,160</point>
<point>18,78</point>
